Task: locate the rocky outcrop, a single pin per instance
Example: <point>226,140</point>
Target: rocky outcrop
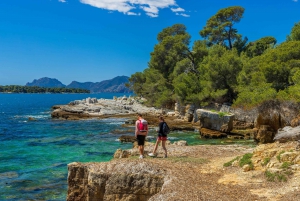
<point>211,134</point>
<point>273,156</point>
<point>287,134</point>
<point>115,180</point>
<point>215,121</point>
<point>92,107</point>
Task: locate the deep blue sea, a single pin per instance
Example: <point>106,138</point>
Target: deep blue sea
<point>34,154</point>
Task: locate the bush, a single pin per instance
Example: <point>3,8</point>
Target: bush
<point>246,160</point>
<point>230,162</point>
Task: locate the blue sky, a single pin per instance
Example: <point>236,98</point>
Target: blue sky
<point>95,40</point>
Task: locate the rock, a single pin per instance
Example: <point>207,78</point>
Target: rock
<point>91,108</point>
<point>297,160</point>
<point>189,113</point>
<point>133,180</point>
<point>170,113</point>
<point>288,156</point>
<point>288,134</point>
<point>214,121</point>
<point>211,134</point>
<point>264,135</point>
<point>127,138</point>
<point>121,154</point>
<point>235,163</point>
<point>181,143</point>
<point>31,119</point>
<point>246,168</point>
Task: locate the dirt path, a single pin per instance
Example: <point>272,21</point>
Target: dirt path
<point>197,173</point>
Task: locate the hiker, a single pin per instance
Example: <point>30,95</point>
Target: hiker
<point>162,131</point>
<point>141,131</point>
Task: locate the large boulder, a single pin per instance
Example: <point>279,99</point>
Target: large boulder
<point>264,134</point>
<point>288,134</point>
<point>222,122</point>
<point>116,180</point>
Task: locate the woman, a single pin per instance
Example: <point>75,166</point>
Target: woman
<point>162,137</point>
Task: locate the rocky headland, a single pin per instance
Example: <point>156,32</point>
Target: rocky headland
<point>269,171</point>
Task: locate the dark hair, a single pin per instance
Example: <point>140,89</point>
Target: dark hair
<point>140,115</point>
<point>161,118</point>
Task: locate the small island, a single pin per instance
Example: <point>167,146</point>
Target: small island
<point>36,89</point>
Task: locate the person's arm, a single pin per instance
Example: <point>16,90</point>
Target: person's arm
<point>147,130</point>
<point>136,128</point>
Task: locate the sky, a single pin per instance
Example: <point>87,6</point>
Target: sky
<point>96,40</point>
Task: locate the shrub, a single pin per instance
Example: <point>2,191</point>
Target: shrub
<point>246,159</point>
<point>230,162</point>
<point>266,161</point>
<point>279,156</point>
<point>273,176</point>
<point>286,165</point>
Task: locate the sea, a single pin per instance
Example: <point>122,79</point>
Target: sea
<point>36,149</point>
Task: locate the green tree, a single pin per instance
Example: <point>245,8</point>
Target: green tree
<point>258,47</point>
<point>295,33</point>
<point>219,28</point>
<point>220,70</point>
<point>172,47</point>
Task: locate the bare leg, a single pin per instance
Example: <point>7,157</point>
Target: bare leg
<point>141,149</point>
<point>164,147</point>
<point>156,145</point>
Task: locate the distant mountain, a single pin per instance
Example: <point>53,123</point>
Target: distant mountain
<point>115,85</point>
<point>46,82</point>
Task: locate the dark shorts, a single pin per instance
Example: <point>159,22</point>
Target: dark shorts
<point>141,139</point>
<point>162,138</point>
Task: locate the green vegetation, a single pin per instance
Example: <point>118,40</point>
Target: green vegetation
<point>34,89</point>
<point>230,162</point>
<point>276,176</point>
<point>266,161</point>
<point>246,160</point>
<point>224,67</point>
<point>279,156</point>
<point>285,165</point>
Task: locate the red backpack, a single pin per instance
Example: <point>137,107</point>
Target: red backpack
<point>143,125</point>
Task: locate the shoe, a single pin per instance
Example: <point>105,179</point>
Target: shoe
<point>141,156</point>
<point>151,154</point>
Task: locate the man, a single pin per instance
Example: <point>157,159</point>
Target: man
<point>141,131</point>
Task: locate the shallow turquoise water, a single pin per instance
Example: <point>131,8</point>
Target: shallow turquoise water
<point>34,154</point>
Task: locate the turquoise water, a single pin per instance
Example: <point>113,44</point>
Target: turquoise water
<point>34,154</point>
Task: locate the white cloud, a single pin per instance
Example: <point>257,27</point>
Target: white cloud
<point>62,1</point>
<point>175,10</point>
<point>295,0</point>
<point>150,7</point>
<point>132,13</point>
<point>182,14</point>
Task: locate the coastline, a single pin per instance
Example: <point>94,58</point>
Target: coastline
<point>200,165</point>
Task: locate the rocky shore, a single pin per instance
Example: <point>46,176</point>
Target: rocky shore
<point>189,173</point>
<point>271,170</point>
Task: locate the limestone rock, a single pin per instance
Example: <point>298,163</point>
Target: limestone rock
<point>288,134</point>
<point>127,138</point>
<point>246,168</point>
<point>116,180</point>
<point>211,134</point>
<point>265,134</point>
<point>121,154</point>
<point>288,156</point>
<point>214,121</point>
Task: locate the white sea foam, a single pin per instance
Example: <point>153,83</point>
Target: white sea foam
<point>38,116</point>
<point>173,138</point>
